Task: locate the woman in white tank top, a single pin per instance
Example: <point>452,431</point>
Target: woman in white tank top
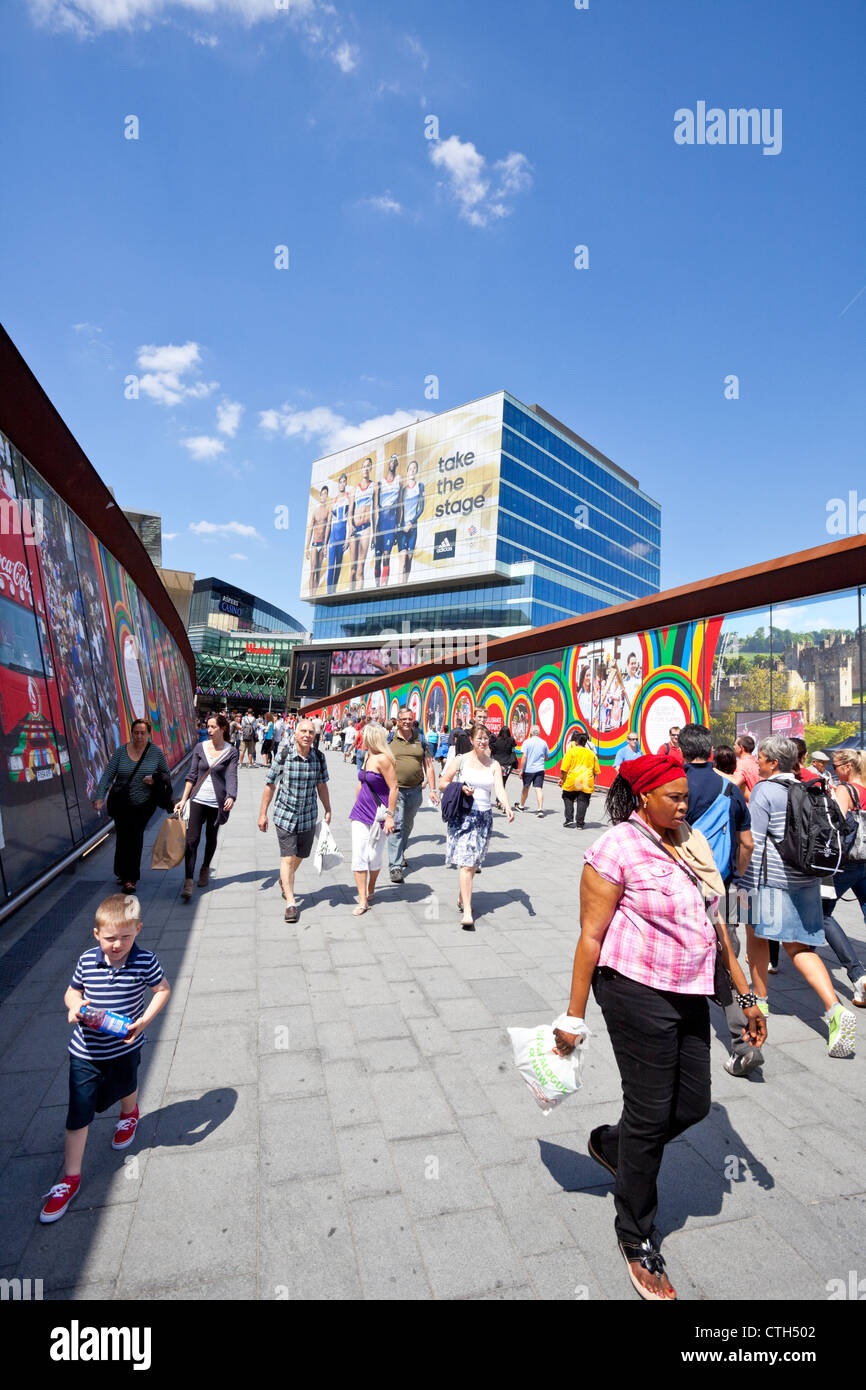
<point>469,835</point>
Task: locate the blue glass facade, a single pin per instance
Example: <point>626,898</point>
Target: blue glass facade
<point>573,535</point>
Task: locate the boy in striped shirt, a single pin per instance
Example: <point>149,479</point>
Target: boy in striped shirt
<point>103,1067</point>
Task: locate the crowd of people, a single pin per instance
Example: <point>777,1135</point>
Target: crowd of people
<point>705,842</point>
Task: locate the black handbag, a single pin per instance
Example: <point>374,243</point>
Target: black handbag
<point>117,802</point>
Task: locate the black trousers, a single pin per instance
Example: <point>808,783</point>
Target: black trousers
<point>575,805</point>
<point>661,1042</point>
<point>129,828</point>
<point>200,818</point>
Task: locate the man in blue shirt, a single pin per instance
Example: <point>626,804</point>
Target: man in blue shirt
<point>631,750</point>
<point>535,754</point>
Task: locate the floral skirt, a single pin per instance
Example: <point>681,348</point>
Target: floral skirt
<point>468,839</point>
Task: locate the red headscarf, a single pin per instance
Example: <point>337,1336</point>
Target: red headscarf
<point>650,771</point>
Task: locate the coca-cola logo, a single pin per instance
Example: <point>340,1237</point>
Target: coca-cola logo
<point>16,573</point>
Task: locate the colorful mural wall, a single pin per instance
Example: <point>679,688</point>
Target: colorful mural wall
<point>82,654</point>
<point>647,681</point>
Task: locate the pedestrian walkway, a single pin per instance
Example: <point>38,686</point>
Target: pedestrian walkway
<point>330,1110</point>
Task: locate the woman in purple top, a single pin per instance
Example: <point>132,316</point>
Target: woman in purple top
<point>372,815</point>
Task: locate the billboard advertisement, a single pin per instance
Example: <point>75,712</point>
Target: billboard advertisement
<point>81,655</point>
<point>789,723</point>
<point>412,507</point>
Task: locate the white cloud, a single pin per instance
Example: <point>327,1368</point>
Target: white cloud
<point>169,535</point>
<point>237,556</point>
<point>203,446</point>
<point>227,528</point>
<point>481,191</point>
<point>229,417</point>
<point>334,430</point>
<point>163,369</point>
<point>415,47</point>
<point>346,57</point>
<point>317,21</point>
<point>383,87</point>
<point>383,202</point>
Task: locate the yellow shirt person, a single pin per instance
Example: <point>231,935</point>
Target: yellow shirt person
<point>579,769</point>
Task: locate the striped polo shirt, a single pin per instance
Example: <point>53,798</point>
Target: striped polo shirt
<point>120,988</point>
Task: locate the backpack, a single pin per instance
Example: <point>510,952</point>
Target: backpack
<point>248,729</point>
<point>715,824</point>
<point>815,831</point>
<point>855,822</point>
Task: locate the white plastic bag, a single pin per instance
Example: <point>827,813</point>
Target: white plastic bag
<point>549,1076</point>
<point>326,853</point>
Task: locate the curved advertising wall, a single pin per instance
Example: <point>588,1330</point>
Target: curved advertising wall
<point>82,654</point>
<point>795,666</point>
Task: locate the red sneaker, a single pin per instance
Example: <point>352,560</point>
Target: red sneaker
<point>125,1132</point>
<point>59,1198</point>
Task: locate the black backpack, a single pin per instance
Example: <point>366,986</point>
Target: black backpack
<point>815,835</point>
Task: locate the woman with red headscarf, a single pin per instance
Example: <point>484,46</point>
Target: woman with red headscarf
<point>648,949</point>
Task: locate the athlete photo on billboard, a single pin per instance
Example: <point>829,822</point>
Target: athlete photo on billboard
<point>388,494</point>
<point>411,510</point>
<point>338,542</point>
<point>362,518</point>
<point>318,530</point>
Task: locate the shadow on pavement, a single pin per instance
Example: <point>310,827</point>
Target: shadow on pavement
<point>691,1183</point>
<point>186,1122</point>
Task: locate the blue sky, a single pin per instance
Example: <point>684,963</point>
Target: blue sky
<point>305,127</point>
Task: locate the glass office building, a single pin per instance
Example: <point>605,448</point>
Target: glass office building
<point>517,523</point>
<point>218,608</point>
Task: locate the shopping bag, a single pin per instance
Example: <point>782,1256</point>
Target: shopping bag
<point>549,1076</point>
<point>326,853</point>
<point>169,847</point>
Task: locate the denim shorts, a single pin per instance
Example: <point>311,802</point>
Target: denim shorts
<point>533,779</point>
<point>96,1086</point>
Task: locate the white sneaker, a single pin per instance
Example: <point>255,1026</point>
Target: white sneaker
<point>860,993</point>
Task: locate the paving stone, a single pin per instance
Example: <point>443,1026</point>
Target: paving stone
<point>291,1073</point>
<point>208,1056</point>
<point>459,1014</point>
<point>410,1103</point>
<point>468,1253</point>
<point>349,1093</point>
<point>307,1250</point>
<point>394,1054</point>
<point>507,997</point>
<point>84,1247</point>
<point>365,1159</point>
<point>286,1026</point>
<point>442,983</point>
<point>388,1257</point>
<point>297,1140</point>
<point>432,1037</point>
<point>439,1174</point>
<point>378,1021</point>
<point>174,1241</point>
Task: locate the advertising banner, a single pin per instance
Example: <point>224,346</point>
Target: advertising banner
<point>409,508</point>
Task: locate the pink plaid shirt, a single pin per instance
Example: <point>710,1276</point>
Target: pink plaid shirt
<point>659,934</point>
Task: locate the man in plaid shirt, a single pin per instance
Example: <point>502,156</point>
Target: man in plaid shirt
<point>300,771</point>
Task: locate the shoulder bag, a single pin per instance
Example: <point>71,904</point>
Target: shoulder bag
<point>117,801</point>
<point>169,847</point>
